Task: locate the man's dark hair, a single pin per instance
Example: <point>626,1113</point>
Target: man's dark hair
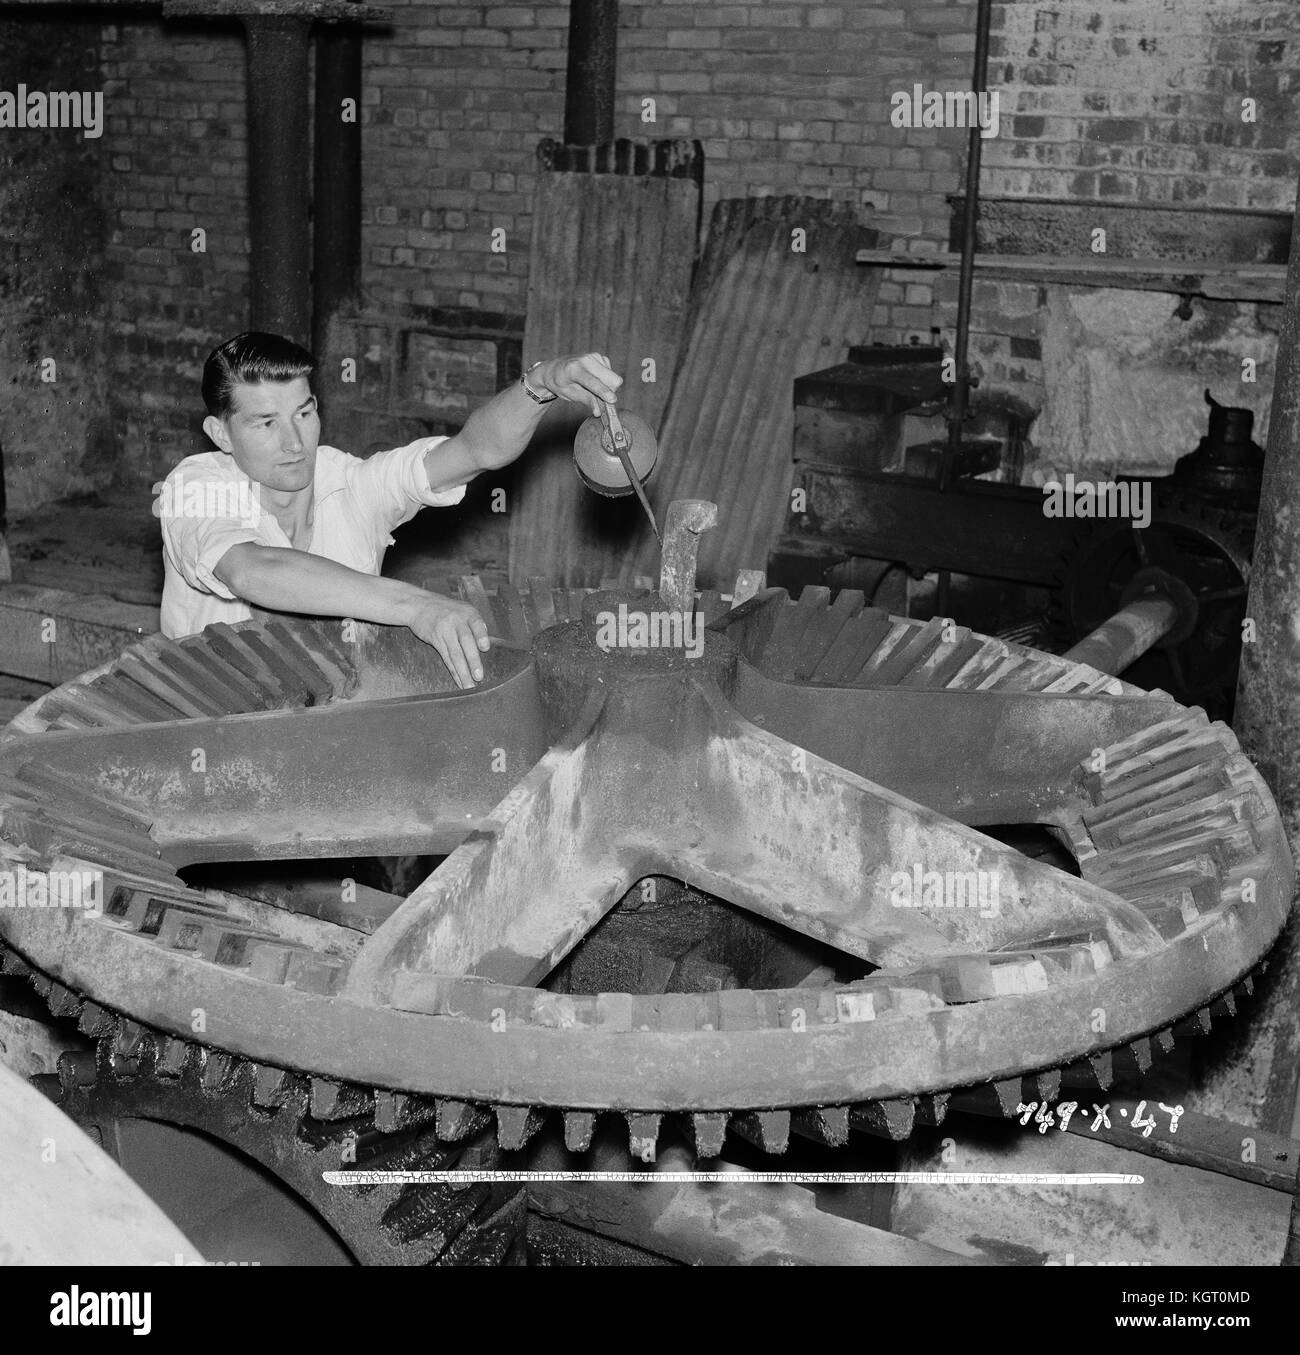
<point>250,357</point>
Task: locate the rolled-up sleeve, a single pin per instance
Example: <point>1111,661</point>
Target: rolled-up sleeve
<point>195,545</point>
<point>394,485</point>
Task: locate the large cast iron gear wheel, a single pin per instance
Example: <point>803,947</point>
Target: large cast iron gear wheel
<point>1206,552</point>
<point>816,757</point>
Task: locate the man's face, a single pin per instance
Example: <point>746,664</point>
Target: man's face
<point>271,432</point>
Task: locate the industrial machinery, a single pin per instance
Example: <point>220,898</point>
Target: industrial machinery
<point>861,495</point>
<point>836,781</point>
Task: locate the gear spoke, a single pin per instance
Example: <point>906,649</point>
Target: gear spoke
<point>372,778</point>
<point>827,853</point>
<point>513,899</point>
<point>979,757</point>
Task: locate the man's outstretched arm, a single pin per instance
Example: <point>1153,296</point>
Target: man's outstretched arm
<point>496,433</point>
<point>287,580</point>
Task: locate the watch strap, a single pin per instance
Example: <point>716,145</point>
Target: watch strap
<point>533,395</point>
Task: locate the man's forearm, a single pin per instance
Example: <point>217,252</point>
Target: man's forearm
<point>497,433</point>
<point>283,579</point>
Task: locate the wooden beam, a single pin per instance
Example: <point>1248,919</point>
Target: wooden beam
<point>1223,281</point>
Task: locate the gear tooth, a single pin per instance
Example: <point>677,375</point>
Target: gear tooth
<point>643,1134</point>
<point>1141,1051</point>
<point>1247,985</point>
<point>1048,1085</point>
<point>215,1069</point>
<point>579,1126</point>
<point>94,1020</point>
<point>708,1133</point>
<point>765,1129</point>
<point>62,1001</point>
<point>128,1046</point>
<point>271,1086</point>
<point>1164,1041</point>
<point>455,1120</point>
<point>1102,1067</point>
<point>1009,1095</point>
<point>516,1125</point>
<point>827,1125</point>
<point>397,1110</point>
<point>323,1097</point>
<point>1229,1002</point>
<point>931,1111</point>
<point>1201,1019</point>
<point>171,1057</point>
<point>329,1100</point>
<point>893,1119</point>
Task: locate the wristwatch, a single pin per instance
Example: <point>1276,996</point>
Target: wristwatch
<point>532,394</point>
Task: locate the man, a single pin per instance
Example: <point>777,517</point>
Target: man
<point>271,518</point>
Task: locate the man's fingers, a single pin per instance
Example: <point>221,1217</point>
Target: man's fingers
<point>470,654</point>
<point>447,643</point>
<point>480,631</point>
<point>589,375</point>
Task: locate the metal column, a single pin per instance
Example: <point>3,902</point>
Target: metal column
<point>336,199</point>
<point>589,81</point>
<point>278,176</point>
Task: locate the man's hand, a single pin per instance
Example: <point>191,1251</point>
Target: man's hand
<point>456,631</point>
<point>587,379</point>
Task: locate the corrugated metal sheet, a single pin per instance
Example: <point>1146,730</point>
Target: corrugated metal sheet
<point>761,314</point>
<point>609,271</point>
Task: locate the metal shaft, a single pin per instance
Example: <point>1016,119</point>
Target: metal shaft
<point>970,217</point>
<point>336,197</point>
<point>1127,635</point>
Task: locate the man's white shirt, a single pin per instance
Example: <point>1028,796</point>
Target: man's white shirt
<point>207,505</point>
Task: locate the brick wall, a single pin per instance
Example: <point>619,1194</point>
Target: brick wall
<point>54,427</point>
<point>174,161</point>
<point>1141,101</point>
<point>795,98</point>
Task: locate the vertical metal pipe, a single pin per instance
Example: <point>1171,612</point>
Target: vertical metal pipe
<point>278,176</point>
<point>336,194</point>
<point>336,211</point>
<point>970,216</point>
<point>589,81</point>
<point>1255,1080</point>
